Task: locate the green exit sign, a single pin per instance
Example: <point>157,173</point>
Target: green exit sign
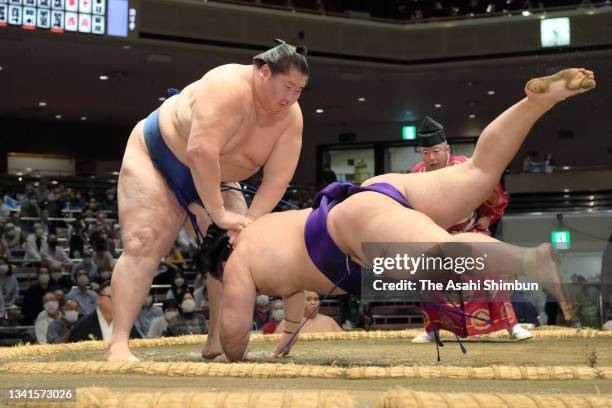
<point>409,132</point>
<point>561,239</point>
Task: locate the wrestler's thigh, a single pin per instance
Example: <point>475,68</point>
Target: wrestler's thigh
<point>391,224</point>
<point>149,213</point>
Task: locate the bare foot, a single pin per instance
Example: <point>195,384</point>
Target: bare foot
<point>211,351</point>
<point>545,268</point>
<point>557,87</point>
<point>118,354</point>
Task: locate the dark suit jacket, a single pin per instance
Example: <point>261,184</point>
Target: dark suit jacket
<point>88,328</point>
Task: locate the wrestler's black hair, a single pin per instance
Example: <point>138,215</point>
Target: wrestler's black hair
<point>283,57</point>
<point>216,246</point>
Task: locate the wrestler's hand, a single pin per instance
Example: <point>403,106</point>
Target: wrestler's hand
<point>283,348</point>
<point>232,221</point>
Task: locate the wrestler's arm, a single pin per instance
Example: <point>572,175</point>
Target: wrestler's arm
<point>237,309</point>
<point>216,115</point>
<point>294,312</point>
<point>279,168</point>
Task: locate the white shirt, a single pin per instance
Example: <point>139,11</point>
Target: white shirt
<point>41,325</point>
<point>105,328</point>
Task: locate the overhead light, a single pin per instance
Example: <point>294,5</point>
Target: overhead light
<point>54,182</point>
<point>361,99</point>
<point>83,117</point>
<point>437,105</point>
<point>43,104</point>
<point>20,178</point>
<point>526,13</point>
<point>319,111</point>
<point>161,99</point>
<point>490,92</point>
<point>127,47</point>
<point>472,116</point>
<point>103,77</point>
<point>58,116</point>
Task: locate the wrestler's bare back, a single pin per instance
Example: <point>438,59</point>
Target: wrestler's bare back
<point>246,150</point>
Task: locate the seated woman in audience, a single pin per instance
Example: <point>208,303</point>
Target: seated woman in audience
<point>8,282</point>
<point>179,286</point>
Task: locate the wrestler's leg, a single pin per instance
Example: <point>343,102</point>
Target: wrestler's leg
<point>234,201</point>
<point>388,222</point>
<point>450,194</point>
<point>150,220</point>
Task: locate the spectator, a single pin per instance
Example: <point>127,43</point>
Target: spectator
<point>31,208</point>
<point>59,279</point>
<point>148,313</point>
<point>9,287</point>
<point>47,226</point>
<point>175,257</point>
<point>32,300</point>
<point>187,322</point>
<point>4,246</point>
<point>160,324</point>
<point>59,329</point>
<point>278,314</point>
<point>179,287</point>
<point>49,313</point>
<point>317,323</point>
<point>102,257</point>
<point>328,176</point>
<point>36,243</point>
<point>54,256</point>
<point>97,325</point>
<point>12,236</point>
<point>59,295</point>
<point>87,264</point>
<point>82,294</point>
<point>261,314</point>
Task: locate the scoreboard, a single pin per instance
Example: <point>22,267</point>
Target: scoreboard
<point>98,17</point>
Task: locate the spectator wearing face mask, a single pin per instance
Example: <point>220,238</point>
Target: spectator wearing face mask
<point>261,313</point>
<point>12,236</point>
<point>32,299</point>
<point>179,286</point>
<point>36,243</point>
<point>187,322</point>
<point>278,314</point>
<point>8,283</point>
<point>59,279</point>
<point>88,264</point>
<point>47,226</point>
<point>49,313</point>
<point>82,294</point>
<point>148,313</point>
<point>200,295</point>
<point>55,256</point>
<point>98,325</point>
<point>59,330</point>
<point>160,324</point>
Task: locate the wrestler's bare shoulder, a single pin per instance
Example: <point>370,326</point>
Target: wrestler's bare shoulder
<point>230,80</point>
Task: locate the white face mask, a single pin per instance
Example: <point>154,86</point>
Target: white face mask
<point>3,269</point>
<point>82,280</point>
<point>278,314</point>
<point>51,306</point>
<point>44,279</point>
<point>71,315</point>
<point>262,300</point>
<point>171,314</point>
<point>179,282</point>
<point>106,275</point>
<point>188,305</point>
<point>56,275</point>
